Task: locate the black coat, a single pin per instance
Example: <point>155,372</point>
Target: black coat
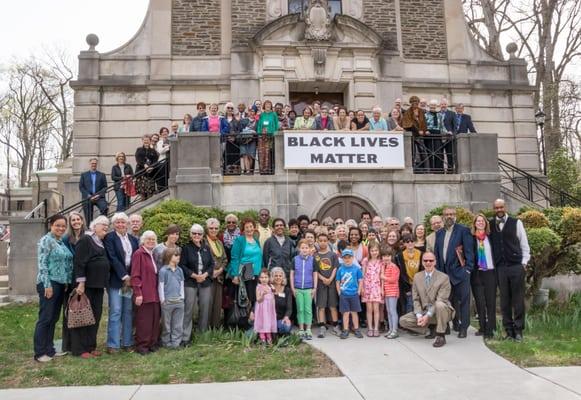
<point>145,156</point>
<point>117,176</point>
<point>91,263</point>
<point>189,264</point>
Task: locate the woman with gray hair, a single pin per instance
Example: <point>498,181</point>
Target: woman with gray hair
<point>197,264</point>
<point>91,274</point>
<point>145,294</point>
<point>220,263</point>
<point>283,302</point>
<point>377,122</point>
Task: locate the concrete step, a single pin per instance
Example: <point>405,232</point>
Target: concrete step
<point>4,299</point>
<point>4,291</point>
<point>4,281</point>
<point>3,270</point>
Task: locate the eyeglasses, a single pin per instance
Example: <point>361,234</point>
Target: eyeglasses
<point>196,233</point>
<point>429,261</point>
<point>229,108</point>
<point>279,226</point>
<point>212,228</point>
<point>230,222</point>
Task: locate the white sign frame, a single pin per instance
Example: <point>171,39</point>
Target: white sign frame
<point>349,150</point>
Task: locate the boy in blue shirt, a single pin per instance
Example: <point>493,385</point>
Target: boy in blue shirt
<point>349,286</point>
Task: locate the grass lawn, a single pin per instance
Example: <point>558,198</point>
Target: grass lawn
<point>552,337</point>
<point>214,357</point>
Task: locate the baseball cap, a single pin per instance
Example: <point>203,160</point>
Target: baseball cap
<point>347,252</point>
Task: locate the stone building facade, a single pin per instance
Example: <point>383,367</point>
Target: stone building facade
<point>232,50</point>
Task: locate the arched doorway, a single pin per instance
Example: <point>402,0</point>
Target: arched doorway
<point>344,207</point>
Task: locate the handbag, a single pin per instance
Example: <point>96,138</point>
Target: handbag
<point>247,272</point>
<point>129,187</point>
<point>79,311</point>
<point>239,315</point>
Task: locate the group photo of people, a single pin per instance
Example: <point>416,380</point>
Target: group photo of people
<point>247,132</point>
<point>271,278</point>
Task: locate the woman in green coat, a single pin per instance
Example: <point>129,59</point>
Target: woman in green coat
<point>266,128</point>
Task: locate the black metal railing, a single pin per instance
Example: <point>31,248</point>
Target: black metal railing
<point>247,154</point>
<point>40,211</point>
<point>147,183</point>
<point>434,154</point>
<point>532,188</point>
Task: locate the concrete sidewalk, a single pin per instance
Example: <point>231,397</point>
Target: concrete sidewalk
<point>375,369</point>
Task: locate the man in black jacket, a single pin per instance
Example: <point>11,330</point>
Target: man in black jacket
<point>463,122</point>
<point>278,250</point>
<point>511,253</point>
<point>92,186</point>
<point>196,125</point>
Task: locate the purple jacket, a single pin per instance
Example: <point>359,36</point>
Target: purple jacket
<point>304,268</point>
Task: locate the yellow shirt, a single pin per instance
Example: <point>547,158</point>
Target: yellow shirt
<point>264,234</point>
<point>412,263</point>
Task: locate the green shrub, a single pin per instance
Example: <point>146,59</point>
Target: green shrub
<point>555,215</point>
<point>160,221</point>
<point>171,207</point>
<point>488,213</point>
<point>524,209</point>
<point>542,241</point>
<point>570,228</point>
<point>534,219</point>
<point>570,260</point>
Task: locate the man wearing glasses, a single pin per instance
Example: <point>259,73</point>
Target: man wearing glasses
<point>432,309</point>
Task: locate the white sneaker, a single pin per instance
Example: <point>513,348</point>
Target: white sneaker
<point>61,353</point>
<point>44,359</point>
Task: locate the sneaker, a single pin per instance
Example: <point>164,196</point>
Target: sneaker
<point>61,353</point>
<point>344,334</point>
<point>308,335</point>
<point>44,359</point>
<point>358,334</point>
<point>336,330</point>
<point>322,332</point>
<point>301,334</point>
<point>392,335</point>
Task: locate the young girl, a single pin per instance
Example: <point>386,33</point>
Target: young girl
<point>303,277</point>
<point>390,279</point>
<point>310,238</point>
<point>372,294</point>
<point>264,310</point>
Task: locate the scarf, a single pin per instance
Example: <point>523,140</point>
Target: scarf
<point>229,238</point>
<point>97,240</point>
<point>216,248</point>
<point>480,252</point>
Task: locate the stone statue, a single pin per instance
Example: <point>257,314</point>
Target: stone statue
<point>317,21</point>
<point>273,9</point>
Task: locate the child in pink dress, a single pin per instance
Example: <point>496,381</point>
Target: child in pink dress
<point>372,291</point>
<point>264,310</point>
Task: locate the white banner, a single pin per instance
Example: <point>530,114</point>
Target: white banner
<point>343,150</point>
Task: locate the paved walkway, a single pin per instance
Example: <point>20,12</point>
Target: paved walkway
<point>374,368</point>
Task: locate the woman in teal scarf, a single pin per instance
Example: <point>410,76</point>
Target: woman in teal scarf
<point>483,279</point>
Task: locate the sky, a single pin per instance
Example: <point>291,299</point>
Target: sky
<point>30,26</point>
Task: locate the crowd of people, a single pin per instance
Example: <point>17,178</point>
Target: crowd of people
<point>267,276</point>
<point>247,136</point>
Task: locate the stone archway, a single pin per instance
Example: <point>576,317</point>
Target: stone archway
<point>344,207</point>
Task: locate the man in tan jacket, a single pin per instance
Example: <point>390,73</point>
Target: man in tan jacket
<point>432,308</point>
<point>436,223</point>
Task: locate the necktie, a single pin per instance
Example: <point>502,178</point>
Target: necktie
<point>458,118</point>
<point>428,280</point>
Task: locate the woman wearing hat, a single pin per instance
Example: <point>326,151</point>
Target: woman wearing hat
<point>414,121</point>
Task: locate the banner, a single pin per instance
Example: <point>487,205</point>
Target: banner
<point>343,150</point>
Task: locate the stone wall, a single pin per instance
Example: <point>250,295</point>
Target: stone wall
<point>248,17</point>
<point>195,27</point>
<point>381,16</point>
<point>423,29</point>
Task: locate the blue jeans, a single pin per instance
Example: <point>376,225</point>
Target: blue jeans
<point>391,307</point>
<point>282,328</point>
<point>120,320</point>
<point>122,200</point>
<point>49,311</point>
<point>409,303</point>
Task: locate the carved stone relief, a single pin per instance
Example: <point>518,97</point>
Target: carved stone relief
<point>317,22</point>
<point>275,9</point>
<point>353,8</point>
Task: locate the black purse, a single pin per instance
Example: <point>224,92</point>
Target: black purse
<point>247,272</point>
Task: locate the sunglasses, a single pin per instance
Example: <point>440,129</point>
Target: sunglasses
<point>430,261</point>
<point>196,233</point>
<point>230,222</point>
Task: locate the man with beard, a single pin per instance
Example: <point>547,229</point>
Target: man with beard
<point>455,256</point>
<point>511,253</point>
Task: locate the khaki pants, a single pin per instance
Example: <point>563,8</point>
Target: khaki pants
<point>442,315</point>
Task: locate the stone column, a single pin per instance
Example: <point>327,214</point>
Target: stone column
<point>23,260</point>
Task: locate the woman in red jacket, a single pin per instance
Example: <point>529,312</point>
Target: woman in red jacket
<point>145,295</point>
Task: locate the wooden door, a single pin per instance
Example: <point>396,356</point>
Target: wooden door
<point>344,207</point>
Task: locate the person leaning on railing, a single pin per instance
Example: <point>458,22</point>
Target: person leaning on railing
<point>121,174</point>
<point>360,122</point>
<point>323,121</point>
<point>394,120</point>
<point>267,127</point>
<point>377,122</point>
<point>433,124</point>
<point>231,149</point>
<point>248,142</point>
<point>145,157</point>
<point>414,121</point>
<point>342,122</point>
<point>306,122</point>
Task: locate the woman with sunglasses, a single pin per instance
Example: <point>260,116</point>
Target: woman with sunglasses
<point>220,263</point>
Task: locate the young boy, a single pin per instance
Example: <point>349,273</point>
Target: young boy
<point>310,238</point>
<point>327,297</point>
<point>303,279</point>
<point>171,298</point>
<point>349,286</point>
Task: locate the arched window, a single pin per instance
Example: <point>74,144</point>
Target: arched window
<point>300,6</point>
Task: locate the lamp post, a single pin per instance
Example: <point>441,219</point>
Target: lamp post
<point>540,120</point>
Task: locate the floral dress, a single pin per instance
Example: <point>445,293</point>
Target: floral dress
<point>372,292</point>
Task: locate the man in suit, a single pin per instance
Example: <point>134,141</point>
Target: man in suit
<point>446,124</point>
<point>463,122</point>
<point>511,253</point>
<point>93,185</point>
<point>455,254</point>
<point>432,308</point>
<point>120,246</point>
<point>436,224</point>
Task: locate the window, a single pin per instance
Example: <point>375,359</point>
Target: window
<point>19,205</point>
<point>300,6</point>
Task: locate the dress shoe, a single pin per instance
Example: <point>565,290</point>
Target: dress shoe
<point>462,334</point>
<point>431,333</point>
<point>86,355</point>
<point>440,341</point>
<point>447,329</point>
<point>112,350</point>
<point>456,327</point>
<point>518,337</point>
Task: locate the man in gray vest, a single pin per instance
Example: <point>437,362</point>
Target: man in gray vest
<point>511,253</point>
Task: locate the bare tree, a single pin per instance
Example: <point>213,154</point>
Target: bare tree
<point>549,34</point>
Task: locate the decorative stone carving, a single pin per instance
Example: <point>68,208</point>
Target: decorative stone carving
<point>354,8</point>
<point>92,40</point>
<point>319,57</point>
<point>274,9</point>
<point>317,22</point>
